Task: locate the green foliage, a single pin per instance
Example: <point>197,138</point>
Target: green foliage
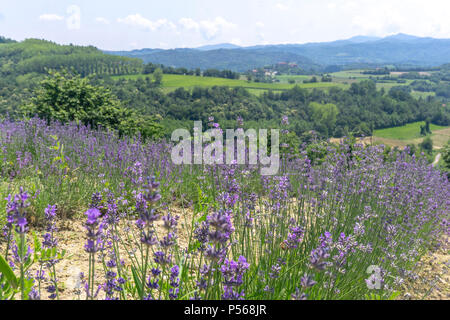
<point>405,132</point>
<point>38,56</point>
<point>6,40</point>
<point>237,60</point>
<point>446,158</point>
<point>427,145</point>
<point>67,97</point>
<point>158,76</point>
<point>324,114</point>
<point>7,273</point>
<point>412,148</point>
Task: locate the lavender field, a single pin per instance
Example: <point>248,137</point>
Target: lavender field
<point>353,223</point>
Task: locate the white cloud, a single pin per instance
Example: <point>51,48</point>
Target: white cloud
<point>236,41</point>
<point>73,21</point>
<point>102,20</point>
<point>189,24</point>
<point>50,17</point>
<point>208,28</point>
<point>282,6</point>
<point>212,28</point>
<point>259,24</point>
<point>136,20</point>
<point>381,17</point>
<point>331,6</point>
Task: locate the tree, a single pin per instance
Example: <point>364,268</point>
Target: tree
<point>423,131</point>
<point>446,158</point>
<point>158,76</point>
<point>427,126</point>
<point>67,97</point>
<point>427,145</point>
<point>325,115</point>
<point>149,68</point>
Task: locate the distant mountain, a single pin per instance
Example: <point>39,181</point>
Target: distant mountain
<point>396,49</point>
<point>133,53</point>
<point>218,46</point>
<point>232,59</point>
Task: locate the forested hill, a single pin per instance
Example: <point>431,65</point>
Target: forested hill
<point>37,56</point>
<point>398,49</point>
<point>239,59</point>
<point>6,40</point>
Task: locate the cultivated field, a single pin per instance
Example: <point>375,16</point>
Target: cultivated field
<point>410,134</point>
<point>172,81</point>
<point>342,79</point>
<point>89,215</point>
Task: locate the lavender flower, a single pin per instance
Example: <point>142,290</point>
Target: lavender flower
<point>233,273</point>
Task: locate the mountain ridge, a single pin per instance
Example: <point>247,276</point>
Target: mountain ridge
<point>399,49</point>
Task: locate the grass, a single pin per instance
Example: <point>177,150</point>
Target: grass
<point>298,78</point>
<point>410,134</point>
<point>389,84</point>
<point>177,81</point>
<point>407,132</point>
<point>420,94</point>
<point>356,75</point>
<point>347,74</point>
<point>341,79</point>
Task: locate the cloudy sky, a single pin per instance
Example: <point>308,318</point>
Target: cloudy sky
<point>132,24</point>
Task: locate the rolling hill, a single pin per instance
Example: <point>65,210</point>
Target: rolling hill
<point>37,56</point>
<point>400,49</point>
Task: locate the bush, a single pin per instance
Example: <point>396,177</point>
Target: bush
<point>66,97</point>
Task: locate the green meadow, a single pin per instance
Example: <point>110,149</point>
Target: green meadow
<point>284,78</point>
<point>341,79</point>
<point>406,132</point>
<point>348,74</point>
<point>186,81</point>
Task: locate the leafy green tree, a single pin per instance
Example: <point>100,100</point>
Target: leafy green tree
<point>325,115</point>
<point>67,97</point>
<point>423,131</point>
<point>158,76</point>
<point>446,158</point>
<point>427,126</point>
<point>427,145</point>
<point>149,68</point>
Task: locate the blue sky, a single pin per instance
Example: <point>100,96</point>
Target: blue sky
<point>132,24</point>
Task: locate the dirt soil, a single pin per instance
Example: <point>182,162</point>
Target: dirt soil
<point>433,282</point>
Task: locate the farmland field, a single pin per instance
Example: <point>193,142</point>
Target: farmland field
<point>409,134</point>
<point>297,78</point>
<point>420,94</point>
<point>176,81</point>
<point>341,79</point>
<point>348,74</point>
<point>152,229</point>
